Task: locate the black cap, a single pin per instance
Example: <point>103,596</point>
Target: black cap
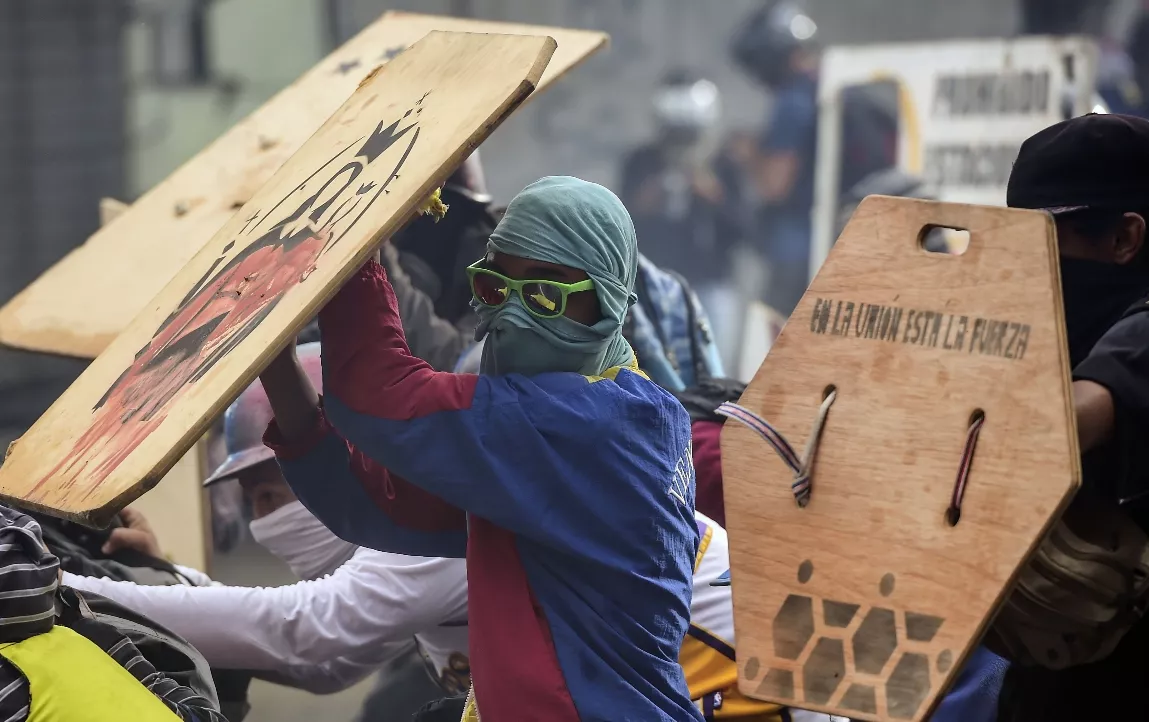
<point>1094,161</point>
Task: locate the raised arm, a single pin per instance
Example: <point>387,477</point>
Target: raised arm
<point>359,500</point>
<point>541,456</point>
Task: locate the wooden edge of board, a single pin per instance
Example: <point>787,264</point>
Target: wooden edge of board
<point>205,502</point>
<point>1075,460</point>
<point>534,76</point>
<point>45,342</point>
<point>604,37</point>
<point>111,209</point>
<point>101,516</point>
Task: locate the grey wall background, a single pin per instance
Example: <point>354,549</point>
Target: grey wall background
<point>62,146</point>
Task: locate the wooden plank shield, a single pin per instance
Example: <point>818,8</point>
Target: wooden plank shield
<point>866,602</point>
<point>155,390</point>
<point>86,299</point>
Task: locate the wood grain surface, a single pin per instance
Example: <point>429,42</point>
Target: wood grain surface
<point>866,602</point>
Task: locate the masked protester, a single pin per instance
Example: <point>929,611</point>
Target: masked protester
<point>239,626</point>
<point>561,472</point>
<point>356,612</point>
<point>1082,654</point>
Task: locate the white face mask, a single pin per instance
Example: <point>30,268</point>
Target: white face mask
<point>295,536</point>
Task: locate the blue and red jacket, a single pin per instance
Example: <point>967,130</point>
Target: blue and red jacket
<point>572,499</point>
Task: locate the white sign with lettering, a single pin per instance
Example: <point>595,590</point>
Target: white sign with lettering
<point>964,108</point>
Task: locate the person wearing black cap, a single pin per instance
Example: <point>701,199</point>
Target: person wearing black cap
<point>1092,174</point>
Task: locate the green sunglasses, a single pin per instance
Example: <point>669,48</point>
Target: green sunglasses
<point>544,299</point>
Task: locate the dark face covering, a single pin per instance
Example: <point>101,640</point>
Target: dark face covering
<point>1096,294</point>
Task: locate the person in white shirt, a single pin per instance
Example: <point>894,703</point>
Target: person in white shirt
<point>355,610</point>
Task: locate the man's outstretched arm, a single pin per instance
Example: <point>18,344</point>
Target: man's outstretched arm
<point>1093,405</point>
<point>1110,385</point>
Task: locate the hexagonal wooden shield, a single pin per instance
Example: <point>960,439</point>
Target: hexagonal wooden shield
<point>866,602</point>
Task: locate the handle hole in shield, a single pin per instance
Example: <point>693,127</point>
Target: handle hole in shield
<point>944,240</point>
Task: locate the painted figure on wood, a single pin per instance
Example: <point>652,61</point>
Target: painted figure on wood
<point>235,295</point>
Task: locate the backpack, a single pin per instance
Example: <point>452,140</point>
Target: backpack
<point>1085,586</point>
<point>165,650</point>
<point>669,330</point>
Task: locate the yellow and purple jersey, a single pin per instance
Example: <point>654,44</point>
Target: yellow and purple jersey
<point>707,654</point>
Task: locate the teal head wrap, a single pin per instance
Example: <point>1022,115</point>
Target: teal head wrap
<point>573,223</point>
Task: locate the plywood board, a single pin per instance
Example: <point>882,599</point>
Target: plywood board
<point>158,386</point>
<point>84,301</point>
<point>178,507</point>
<point>111,209</point>
<point>866,602</point>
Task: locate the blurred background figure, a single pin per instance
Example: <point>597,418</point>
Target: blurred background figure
<point>778,46</point>
<point>1128,92</point>
<point>684,199</point>
<point>1121,29</point>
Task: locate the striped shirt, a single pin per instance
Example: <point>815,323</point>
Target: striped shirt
<point>185,703</point>
<point>32,602</point>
